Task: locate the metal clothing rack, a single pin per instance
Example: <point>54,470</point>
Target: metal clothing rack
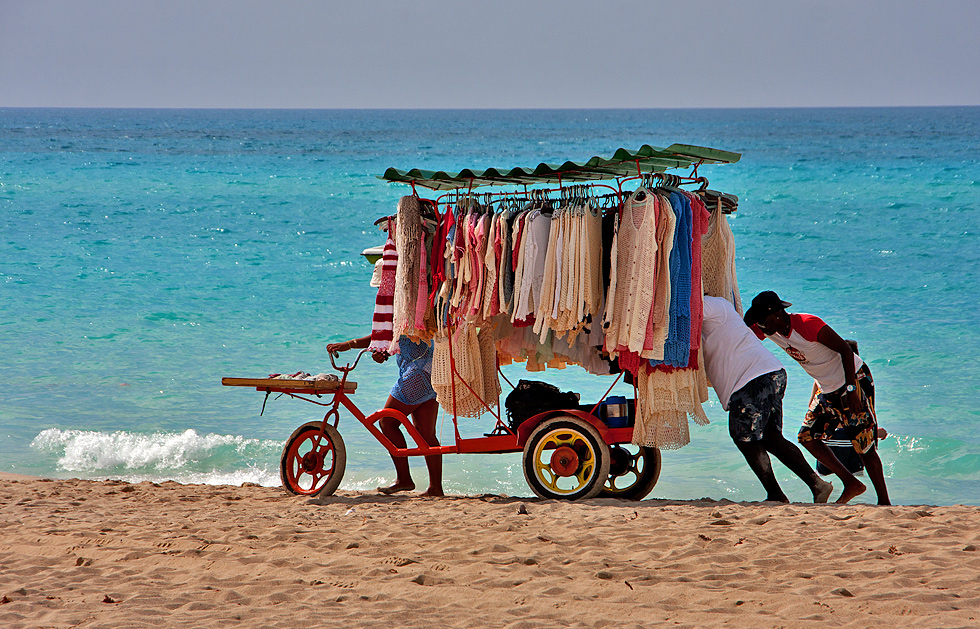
<point>647,164</point>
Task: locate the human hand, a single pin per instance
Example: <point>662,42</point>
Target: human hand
<point>379,357</point>
<point>336,348</point>
<point>854,401</point>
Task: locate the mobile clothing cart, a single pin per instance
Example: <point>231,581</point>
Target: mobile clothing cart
<point>569,449</point>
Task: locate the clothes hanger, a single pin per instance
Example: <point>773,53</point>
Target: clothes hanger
<point>672,184</point>
<point>546,205</point>
<point>713,199</point>
<point>640,194</point>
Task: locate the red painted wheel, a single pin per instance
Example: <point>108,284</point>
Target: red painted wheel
<point>564,461</point>
<point>313,461</point>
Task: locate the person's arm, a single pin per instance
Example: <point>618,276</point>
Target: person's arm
<point>831,339</point>
<point>361,343</point>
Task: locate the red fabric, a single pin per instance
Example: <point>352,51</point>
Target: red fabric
<point>699,223</point>
<point>459,243</point>
<point>477,240</point>
<point>518,232</point>
<point>382,323</point>
<point>459,250</point>
<point>629,361</point>
<point>648,333</point>
<point>437,258</point>
<point>421,299</point>
<point>807,325</point>
<point>497,245</point>
<point>523,323</point>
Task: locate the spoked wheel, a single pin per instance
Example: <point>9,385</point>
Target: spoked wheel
<point>566,458</point>
<point>633,472</point>
<point>313,462</point>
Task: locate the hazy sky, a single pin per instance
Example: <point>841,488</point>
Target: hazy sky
<point>497,53</point>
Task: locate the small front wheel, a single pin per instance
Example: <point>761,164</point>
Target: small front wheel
<point>313,460</point>
<point>631,475</point>
<point>566,458</point>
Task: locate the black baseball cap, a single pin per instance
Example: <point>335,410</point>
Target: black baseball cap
<point>762,304</point>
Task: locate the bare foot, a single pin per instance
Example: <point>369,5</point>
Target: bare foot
<point>851,491</point>
<point>397,487</point>
<point>432,492</point>
<point>822,490</point>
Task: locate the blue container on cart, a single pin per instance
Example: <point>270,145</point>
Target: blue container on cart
<point>617,412</point>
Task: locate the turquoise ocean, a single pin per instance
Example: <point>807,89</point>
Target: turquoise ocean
<point>145,254</point>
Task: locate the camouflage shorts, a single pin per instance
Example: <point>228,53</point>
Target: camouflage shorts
<point>756,406</point>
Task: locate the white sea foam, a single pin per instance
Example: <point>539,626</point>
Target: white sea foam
<point>185,456</point>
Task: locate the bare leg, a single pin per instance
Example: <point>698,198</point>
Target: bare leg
<point>852,486</point>
<point>872,463</point>
<point>790,456</point>
<point>424,417</point>
<point>391,429</point>
<point>757,458</point>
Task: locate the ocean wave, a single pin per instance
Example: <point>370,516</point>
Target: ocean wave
<point>185,457</point>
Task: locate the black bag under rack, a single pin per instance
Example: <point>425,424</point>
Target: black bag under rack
<point>531,397</point>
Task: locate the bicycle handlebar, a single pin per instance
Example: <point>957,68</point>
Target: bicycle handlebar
<point>348,367</point>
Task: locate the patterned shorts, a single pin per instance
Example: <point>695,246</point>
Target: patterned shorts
<point>828,412</point>
<point>756,406</point>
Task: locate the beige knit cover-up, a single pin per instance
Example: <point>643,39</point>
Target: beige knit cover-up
<point>409,283</point>
<point>657,330</point>
<point>571,291</point>
<point>628,303</point>
<point>534,247</point>
<point>475,356</point>
<point>664,403</point>
<point>718,260</point>
<point>551,282</point>
<point>491,264</point>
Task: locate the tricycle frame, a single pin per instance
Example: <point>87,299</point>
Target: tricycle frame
<point>579,446</point>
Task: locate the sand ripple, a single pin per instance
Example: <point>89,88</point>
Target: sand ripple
<point>110,554</point>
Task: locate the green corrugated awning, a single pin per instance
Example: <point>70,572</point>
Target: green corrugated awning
<point>623,163</point>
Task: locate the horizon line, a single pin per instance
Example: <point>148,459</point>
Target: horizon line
<point>703,108</point>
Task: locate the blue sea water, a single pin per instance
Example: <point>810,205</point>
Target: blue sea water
<point>144,254</point>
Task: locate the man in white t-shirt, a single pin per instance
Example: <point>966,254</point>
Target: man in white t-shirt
<point>846,397</point>
<point>750,382</point>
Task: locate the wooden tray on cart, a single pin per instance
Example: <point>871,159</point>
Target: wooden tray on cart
<point>293,386</point>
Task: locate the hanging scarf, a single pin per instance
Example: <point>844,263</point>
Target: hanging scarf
<point>677,349</point>
<point>718,259</point>
<point>381,327</point>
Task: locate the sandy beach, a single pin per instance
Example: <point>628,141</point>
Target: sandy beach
<point>77,553</point>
